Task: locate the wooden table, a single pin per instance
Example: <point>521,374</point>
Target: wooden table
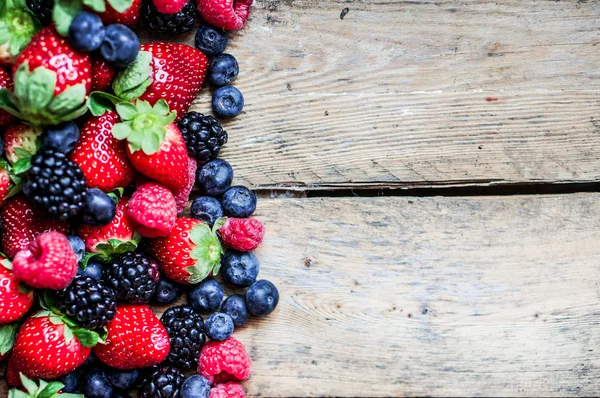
<point>449,286</point>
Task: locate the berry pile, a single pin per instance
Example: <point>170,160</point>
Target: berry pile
<point>99,153</point>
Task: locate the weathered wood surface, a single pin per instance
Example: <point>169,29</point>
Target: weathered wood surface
<point>416,93</point>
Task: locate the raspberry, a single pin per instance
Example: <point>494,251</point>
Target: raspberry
<point>227,390</point>
<point>225,14</point>
<point>183,195</point>
<point>152,210</point>
<point>222,361</point>
<point>243,234</point>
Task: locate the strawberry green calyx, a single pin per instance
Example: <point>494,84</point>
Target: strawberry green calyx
<point>114,247</point>
<point>17,27</point>
<point>41,389</point>
<point>207,253</point>
<point>132,82</point>
<point>143,126</point>
<point>65,10</point>
<point>33,99</point>
<point>7,337</point>
<point>87,338</point>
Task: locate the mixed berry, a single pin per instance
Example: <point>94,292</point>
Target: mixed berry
<point>100,155</point>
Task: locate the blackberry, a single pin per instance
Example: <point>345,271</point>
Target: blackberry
<point>162,382</point>
<point>42,9</point>
<point>204,137</point>
<point>55,185</point>
<point>185,328</point>
<point>181,22</point>
<point>90,302</point>
<point>133,276</point>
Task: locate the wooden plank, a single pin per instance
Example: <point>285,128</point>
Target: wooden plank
<point>416,93</point>
<point>429,296</point>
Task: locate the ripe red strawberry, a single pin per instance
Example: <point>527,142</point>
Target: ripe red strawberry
<point>117,237</point>
<point>243,234</point>
<point>12,375</point>
<point>152,210</point>
<point>103,74</point>
<point>136,339</point>
<point>13,303</point>
<point>46,348</point>
<point>227,390</point>
<point>224,360</point>
<point>130,17</point>
<point>174,72</point>
<point>190,253</point>
<point>21,226</point>
<point>6,81</point>
<point>183,195</point>
<point>52,81</point>
<point>169,6</point>
<point>101,157</point>
<point>48,262</point>
<point>5,183</point>
<point>21,136</point>
<point>225,14</point>
<point>155,145</point>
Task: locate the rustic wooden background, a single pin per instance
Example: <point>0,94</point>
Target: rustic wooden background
<point>405,295</point>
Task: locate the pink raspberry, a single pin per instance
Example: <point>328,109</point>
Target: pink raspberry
<point>226,14</point>
<point>222,361</point>
<point>243,234</point>
<point>227,390</point>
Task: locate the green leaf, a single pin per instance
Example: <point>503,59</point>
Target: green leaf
<point>8,103</point>
<point>136,140</point>
<point>50,390</point>
<point>207,251</point>
<point>99,102</point>
<point>7,337</point>
<point>120,6</point>
<point>126,111</point>
<point>87,338</point>
<point>22,166</point>
<point>200,233</point>
<point>219,223</point>
<point>6,263</point>
<point>55,320</point>
<point>63,14</point>
<point>68,100</point>
<point>151,144</point>
<point>21,80</point>
<point>161,107</point>
<point>122,130</point>
<point>29,384</point>
<point>96,5</point>
<point>41,87</point>
<point>4,33</point>
<point>133,81</point>
<point>24,289</point>
<point>68,332</point>
<point>22,153</point>
<point>14,393</point>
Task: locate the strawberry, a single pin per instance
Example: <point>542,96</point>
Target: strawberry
<point>169,6</point>
<point>115,238</point>
<point>243,234</point>
<point>21,226</point>
<point>103,74</point>
<point>15,301</point>
<point>225,14</point>
<point>152,210</point>
<point>6,81</point>
<point>12,375</point>
<point>155,145</point>
<point>183,195</point>
<point>5,183</point>
<point>21,141</point>
<point>48,263</point>
<point>17,27</point>
<point>47,348</point>
<point>41,388</point>
<point>190,253</point>
<point>52,81</point>
<point>129,17</point>
<point>136,339</point>
<point>170,71</point>
<point>101,157</point>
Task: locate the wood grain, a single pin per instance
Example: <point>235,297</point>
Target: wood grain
<point>416,93</point>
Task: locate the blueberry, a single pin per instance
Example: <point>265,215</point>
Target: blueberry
<point>239,269</point>
<point>62,137</point>
<point>262,298</point>
<point>78,246</point>
<point>93,269</point>
<point>207,296</point>
<point>223,69</point>
<point>121,46</point>
<point>71,381</point>
<point>94,384</point>
<point>227,101</point>
<point>99,208</point>
<point>166,292</point>
<point>239,202</point>
<point>218,326</point>
<point>211,40</point>
<point>86,32</point>
<point>235,307</point>
<point>122,379</point>
<point>215,177</point>
<point>120,394</point>
<point>207,209</point>
<point>195,386</point>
